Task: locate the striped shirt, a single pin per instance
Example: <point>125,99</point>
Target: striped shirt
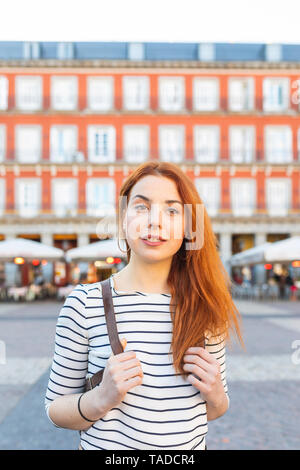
<point>165,411</point>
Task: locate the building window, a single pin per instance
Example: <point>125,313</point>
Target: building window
<point>279,144</point>
<point>276,94</point>
<point>64,197</point>
<point>242,144</point>
<point>64,93</point>
<point>31,50</point>
<point>100,93</point>
<point>101,144</point>
<point>206,144</point>
<point>209,192</point>
<point>136,143</point>
<point>206,52</point>
<point>65,50</point>
<point>29,93</point>
<point>63,144</point>
<point>273,52</point>
<point>2,196</point>
<point>28,196</point>
<point>171,143</point>
<point>136,51</point>
<point>28,143</point>
<point>241,94</point>
<point>298,143</point>
<point>3,93</point>
<point>2,142</point>
<point>135,93</point>
<point>243,196</point>
<point>171,93</point>
<point>206,94</point>
<point>100,197</point>
<point>278,196</point>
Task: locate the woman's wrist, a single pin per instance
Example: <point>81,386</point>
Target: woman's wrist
<point>90,405</point>
<point>97,402</point>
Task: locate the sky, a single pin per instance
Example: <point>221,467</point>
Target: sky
<point>253,21</point>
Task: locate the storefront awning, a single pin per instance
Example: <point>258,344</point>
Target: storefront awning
<point>250,257</point>
<point>96,251</point>
<point>283,251</point>
<point>29,250</point>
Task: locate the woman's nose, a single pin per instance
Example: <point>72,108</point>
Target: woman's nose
<point>155,215</point>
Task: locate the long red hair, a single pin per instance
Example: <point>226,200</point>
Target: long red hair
<point>201,300</point>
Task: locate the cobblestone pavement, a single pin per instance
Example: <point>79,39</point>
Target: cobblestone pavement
<point>263,380</point>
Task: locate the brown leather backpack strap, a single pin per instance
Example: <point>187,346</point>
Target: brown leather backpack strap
<point>112,330</point>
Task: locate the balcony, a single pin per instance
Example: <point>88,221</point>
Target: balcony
<point>34,211</point>
<point>108,213</point>
<point>201,103</point>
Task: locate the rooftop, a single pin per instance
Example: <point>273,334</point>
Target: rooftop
<point>149,51</point>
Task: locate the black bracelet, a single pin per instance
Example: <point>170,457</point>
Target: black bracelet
<point>90,420</point>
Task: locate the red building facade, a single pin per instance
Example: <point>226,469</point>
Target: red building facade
<point>71,132</point>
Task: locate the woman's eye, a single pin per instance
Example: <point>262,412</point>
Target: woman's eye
<point>173,211</point>
<point>140,207</point>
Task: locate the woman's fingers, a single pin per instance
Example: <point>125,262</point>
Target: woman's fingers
<point>201,352</point>
<point>198,371</point>
<point>130,373</point>
<point>194,359</point>
<point>129,364</point>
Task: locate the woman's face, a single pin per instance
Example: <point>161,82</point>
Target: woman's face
<point>154,209</point>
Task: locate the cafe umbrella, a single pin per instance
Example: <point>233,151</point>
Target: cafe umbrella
<point>29,250</point>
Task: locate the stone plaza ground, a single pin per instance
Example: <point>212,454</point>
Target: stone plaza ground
<point>263,380</point>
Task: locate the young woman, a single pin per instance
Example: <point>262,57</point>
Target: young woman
<point>174,292</point>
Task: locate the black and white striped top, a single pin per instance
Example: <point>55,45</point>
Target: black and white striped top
<point>165,411</point>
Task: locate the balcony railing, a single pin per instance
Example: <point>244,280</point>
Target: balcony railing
<point>136,154</point>
<point>201,102</point>
<point>106,210</point>
<point>59,211</point>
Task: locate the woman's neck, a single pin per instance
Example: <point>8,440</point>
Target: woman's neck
<point>144,277</point>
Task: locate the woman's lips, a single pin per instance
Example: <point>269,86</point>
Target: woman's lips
<point>150,243</point>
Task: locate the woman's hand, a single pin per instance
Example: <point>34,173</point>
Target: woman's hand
<point>200,362</point>
<point>122,372</point>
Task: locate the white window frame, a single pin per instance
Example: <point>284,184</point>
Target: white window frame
<point>212,210</point>
<point>215,100</point>
<point>3,93</point>
<point>167,103</point>
<point>2,195</point>
<point>37,155</point>
<point>32,101</point>
<point>106,208</point>
<point>68,154</point>
<point>212,155</point>
<point>70,209</point>
<point>101,105</point>
<point>269,152</point>
<point>55,98</point>
<point>176,155</point>
<point>129,103</point>
<point>298,143</point>
<point>273,106</point>
<point>2,142</point>
<point>238,206</point>
<point>245,155</point>
<point>111,132</point>
<point>131,154</point>
<point>22,210</point>
<point>278,211</point>
<point>244,102</point>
